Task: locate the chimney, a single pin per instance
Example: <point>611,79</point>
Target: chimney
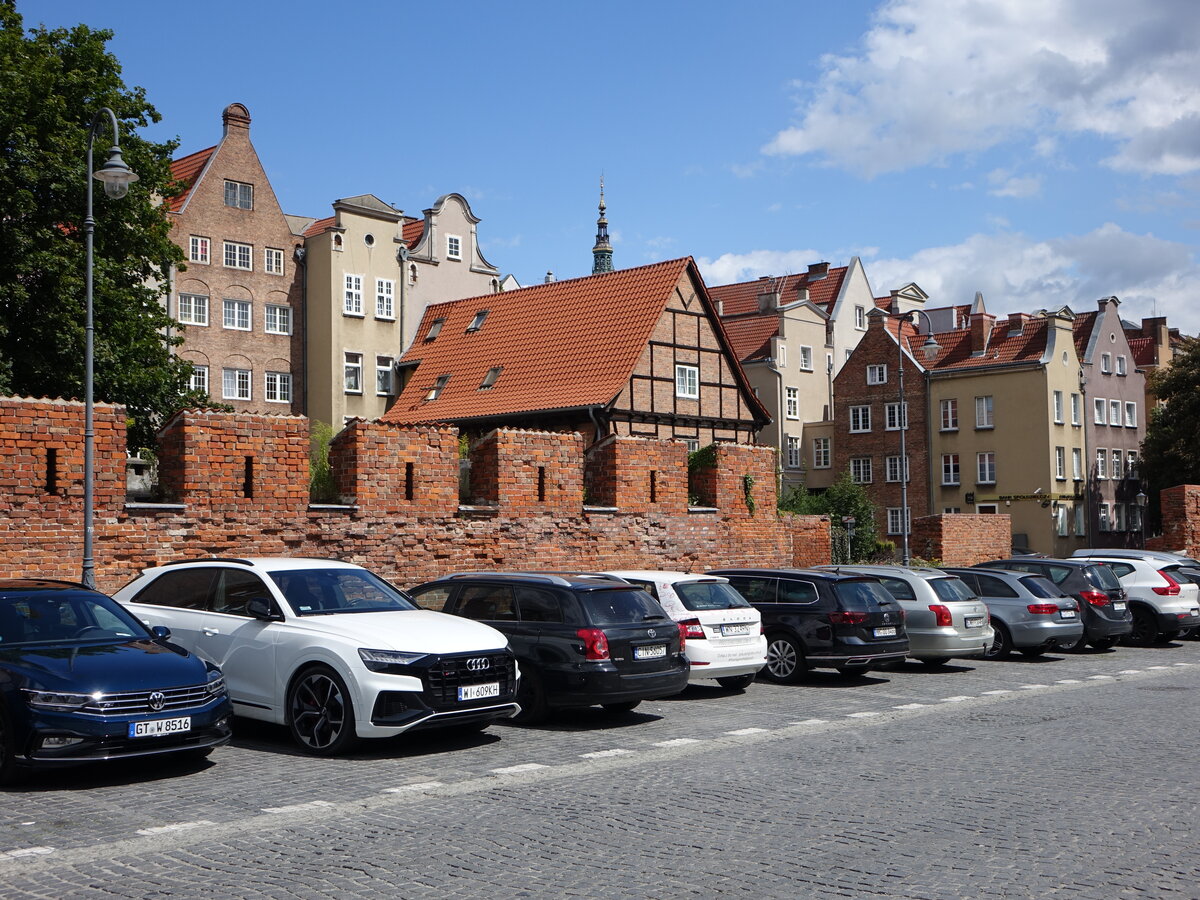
<point>236,116</point>
<point>1016,322</point>
<point>981,331</point>
<point>549,277</point>
<point>768,294</point>
<point>817,271</point>
<point>801,293</point>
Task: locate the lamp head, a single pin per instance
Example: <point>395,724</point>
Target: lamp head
<point>115,175</point>
<point>930,348</point>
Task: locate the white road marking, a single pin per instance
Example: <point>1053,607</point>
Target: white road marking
<point>1031,687</point>
<point>1000,691</point>
<point>1130,672</point>
<point>1185,664</point>
<point>862,715</point>
<point>958,699</point>
<point>419,786</point>
<point>600,754</point>
<point>910,706</point>
<point>1158,667</point>
<point>26,851</point>
<point>178,826</point>
<point>1101,677</point>
<point>676,742</point>
<point>1068,681</point>
<point>742,731</point>
<point>524,767</point>
<point>812,722</point>
<point>297,807</point>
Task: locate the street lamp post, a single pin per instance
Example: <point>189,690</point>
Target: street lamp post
<point>930,349</point>
<point>1141,500</point>
<point>117,177</point>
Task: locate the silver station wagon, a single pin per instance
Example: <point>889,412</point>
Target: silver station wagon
<point>1030,613</point>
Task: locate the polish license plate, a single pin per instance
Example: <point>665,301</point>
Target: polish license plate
<point>1067,613</point>
<point>973,621</point>
<point>651,651</point>
<point>160,727</point>
<point>479,691</point>
<point>1119,607</point>
<point>731,630</point>
<point>889,631</point>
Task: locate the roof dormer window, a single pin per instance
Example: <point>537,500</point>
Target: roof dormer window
<point>477,322</point>
<point>435,328</point>
<point>438,387</point>
<point>490,378</point>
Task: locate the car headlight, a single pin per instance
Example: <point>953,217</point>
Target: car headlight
<point>215,685</point>
<point>383,660</point>
<point>59,699</point>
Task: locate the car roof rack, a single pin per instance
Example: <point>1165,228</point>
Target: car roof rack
<point>223,559</point>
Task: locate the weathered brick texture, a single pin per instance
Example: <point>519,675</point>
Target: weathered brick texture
<point>1180,507</point>
<point>638,475</point>
<point>961,540</point>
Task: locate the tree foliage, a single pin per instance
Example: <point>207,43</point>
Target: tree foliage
<point>1171,449</point>
<point>841,499</point>
<point>54,82</point>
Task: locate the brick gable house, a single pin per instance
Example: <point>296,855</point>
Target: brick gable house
<point>239,298</point>
<point>636,352</point>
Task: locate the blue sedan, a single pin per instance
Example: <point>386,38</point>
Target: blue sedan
<point>81,679</point>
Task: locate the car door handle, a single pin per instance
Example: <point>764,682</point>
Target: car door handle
<point>211,631</point>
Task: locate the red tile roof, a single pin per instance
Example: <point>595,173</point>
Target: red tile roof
<point>319,226</point>
<point>1143,349</point>
<point>186,170</point>
<point>563,345</point>
<point>1002,349</point>
<point>751,335</point>
<point>1081,330</point>
<point>413,229</point>
<point>742,298</point>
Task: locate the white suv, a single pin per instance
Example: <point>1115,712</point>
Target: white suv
<point>1162,606</point>
<point>725,641</point>
<point>328,648</point>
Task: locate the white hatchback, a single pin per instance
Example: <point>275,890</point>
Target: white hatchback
<point>725,640</point>
<point>328,648</point>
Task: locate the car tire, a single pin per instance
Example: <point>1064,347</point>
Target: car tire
<point>1001,646</point>
<point>1145,629</point>
<point>1104,643</point>
<point>320,712</point>
<point>785,660</point>
<point>532,699</point>
<point>736,682</point>
<point>621,708</point>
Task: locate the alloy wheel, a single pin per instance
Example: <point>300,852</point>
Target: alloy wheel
<point>319,711</point>
<point>782,659</point>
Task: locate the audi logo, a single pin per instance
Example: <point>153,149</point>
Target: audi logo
<point>157,700</point>
<point>478,664</point>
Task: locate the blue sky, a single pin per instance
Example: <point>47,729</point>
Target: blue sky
<point>1044,153</point>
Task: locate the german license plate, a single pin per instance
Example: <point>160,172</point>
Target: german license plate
<point>1067,613</point>
<point>973,621</point>
<point>889,631</point>
<point>160,727</point>
<point>650,651</point>
<point>479,691</point>
<point>1119,607</point>
<point>731,630</point>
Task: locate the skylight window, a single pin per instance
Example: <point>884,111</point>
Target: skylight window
<point>438,387</point>
<point>490,378</point>
<point>477,322</point>
<point>435,328</point>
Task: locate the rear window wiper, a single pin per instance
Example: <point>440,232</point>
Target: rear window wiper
<point>655,616</point>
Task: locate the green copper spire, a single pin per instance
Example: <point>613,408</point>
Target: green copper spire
<point>602,252</point>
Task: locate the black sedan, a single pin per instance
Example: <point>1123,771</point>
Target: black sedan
<point>81,679</point>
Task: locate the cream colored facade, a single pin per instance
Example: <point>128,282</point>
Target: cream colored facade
<point>1025,436</point>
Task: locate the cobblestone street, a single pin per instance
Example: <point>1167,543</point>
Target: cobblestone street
<point>1063,777</point>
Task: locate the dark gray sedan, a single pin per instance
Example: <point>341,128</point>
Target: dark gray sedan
<point>1029,613</point>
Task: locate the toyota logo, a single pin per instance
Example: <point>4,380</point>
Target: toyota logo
<point>649,632</point>
<point>157,700</point>
<point>478,664</point>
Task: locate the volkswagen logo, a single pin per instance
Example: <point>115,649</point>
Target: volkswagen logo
<point>649,632</point>
<point>478,664</point>
<point>157,700</point>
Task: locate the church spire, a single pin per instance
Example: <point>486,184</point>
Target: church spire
<point>602,252</point>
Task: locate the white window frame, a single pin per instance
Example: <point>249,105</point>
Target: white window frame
<point>277,387</point>
<point>272,261</point>
<point>892,412</point>
<point>239,312</point>
<point>1106,363</point>
<point>243,194</point>
<point>793,452</point>
<point>1076,409</point>
<point>384,376</point>
<point>860,470</point>
<point>241,379</point>
<point>352,301</point>
<point>891,469</point>
<point>860,318</point>
<point>352,372</point>
<point>985,465</point>
<point>199,249</point>
<point>1116,466</point>
<point>1118,518</point>
<point>951,470</point>
<point>1131,464</point>
<point>877,373</point>
<point>806,358</point>
<point>1131,414</point>
<point>860,419</point>
<point>1101,463</point>
<point>196,306</point>
<point>1099,404</point>
<point>792,402</point>
<point>894,520</point>
<point>1060,463</point>
<point>1104,523</point>
<point>1080,523</point>
<point>822,454</point>
<point>1058,407</point>
<point>985,412</point>
<point>687,381</point>
<point>1077,463</point>
<point>385,299</point>
<point>198,380</point>
<point>780,354</point>
<point>454,247</point>
<point>1060,520</point>
<point>242,255</point>
<point>1114,412</point>
<point>277,319</point>
<point>1121,364</point>
<point>949,413</point>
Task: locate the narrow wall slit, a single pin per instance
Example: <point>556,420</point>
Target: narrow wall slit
<point>51,470</point>
<point>653,486</point>
<point>541,484</point>
<point>248,478</point>
<point>408,481</point>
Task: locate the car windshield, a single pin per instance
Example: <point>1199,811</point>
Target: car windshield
<point>952,589</point>
<point>1104,578</point>
<point>862,596</point>
<point>1041,587</point>
<point>620,607</point>
<point>698,596</point>
<point>321,592</point>
<point>65,617</point>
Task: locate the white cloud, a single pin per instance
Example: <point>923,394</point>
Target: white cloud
<point>729,268</point>
<point>936,78</point>
<point>1150,275</point>
<point>1006,184</point>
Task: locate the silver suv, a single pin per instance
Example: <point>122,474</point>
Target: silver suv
<point>1162,605</point>
<point>944,617</point>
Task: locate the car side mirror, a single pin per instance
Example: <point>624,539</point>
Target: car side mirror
<point>161,633</point>
<point>262,608</point>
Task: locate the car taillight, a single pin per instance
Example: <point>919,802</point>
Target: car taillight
<point>848,618</point>
<point>690,629</point>
<point>1172,588</point>
<point>1043,609</point>
<point>1096,598</point>
<point>595,644</point>
<point>941,614</point>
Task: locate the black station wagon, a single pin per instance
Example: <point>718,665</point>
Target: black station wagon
<point>580,639</point>
<point>822,620</point>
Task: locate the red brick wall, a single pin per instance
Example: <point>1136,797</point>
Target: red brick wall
<point>1180,520</point>
<point>638,475</point>
<point>961,540</point>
